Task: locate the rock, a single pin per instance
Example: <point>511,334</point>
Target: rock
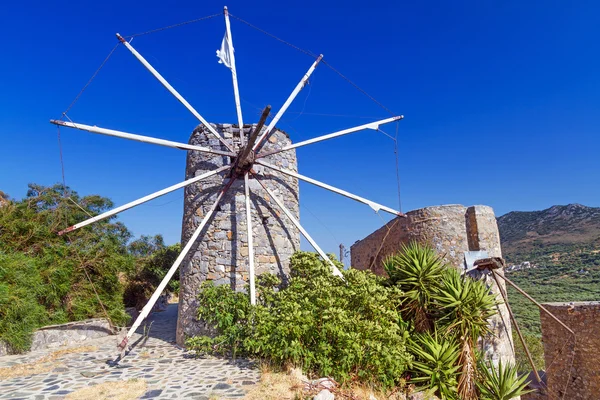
<point>422,396</point>
<point>298,375</point>
<point>324,395</point>
<point>133,314</point>
<point>327,383</point>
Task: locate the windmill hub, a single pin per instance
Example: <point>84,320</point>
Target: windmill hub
<point>243,163</point>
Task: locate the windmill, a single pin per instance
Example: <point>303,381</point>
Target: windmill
<point>245,156</point>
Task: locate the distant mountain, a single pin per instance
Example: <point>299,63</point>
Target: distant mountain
<point>562,244</point>
<point>569,227</point>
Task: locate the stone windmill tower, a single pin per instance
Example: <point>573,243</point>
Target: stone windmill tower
<point>241,213</point>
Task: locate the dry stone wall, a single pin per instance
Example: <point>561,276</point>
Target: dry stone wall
<point>69,334</point>
<point>451,230</point>
<point>573,366</point>
<point>221,254</point>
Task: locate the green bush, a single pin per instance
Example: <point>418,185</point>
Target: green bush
<point>20,290</point>
<point>348,329</point>
<point>436,364</point>
<point>46,278</point>
<point>152,261</point>
<point>501,383</point>
<point>353,329</point>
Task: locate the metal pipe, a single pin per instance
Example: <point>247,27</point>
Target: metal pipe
<point>250,241</point>
<point>375,206</point>
<point>541,307</point>
<point>372,125</point>
<point>314,244</point>
<point>163,284</point>
<point>514,321</point>
<point>139,138</point>
<point>172,90</point>
<point>236,92</point>
<point>143,200</point>
<point>287,103</point>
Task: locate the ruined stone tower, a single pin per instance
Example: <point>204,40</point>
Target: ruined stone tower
<point>450,230</point>
<point>221,254</point>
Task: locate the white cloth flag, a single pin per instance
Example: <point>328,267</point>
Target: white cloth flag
<point>223,54</point>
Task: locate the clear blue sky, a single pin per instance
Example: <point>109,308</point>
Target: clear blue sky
<point>501,101</point>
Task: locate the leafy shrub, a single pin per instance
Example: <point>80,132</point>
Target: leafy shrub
<point>436,364</point>
<point>416,270</point>
<point>46,278</point>
<point>501,383</point>
<point>153,259</point>
<point>20,288</point>
<point>353,329</point>
<point>348,329</point>
<point>453,308</point>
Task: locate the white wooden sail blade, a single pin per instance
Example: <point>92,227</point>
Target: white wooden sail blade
<point>375,206</point>
<point>287,103</point>
<point>296,223</point>
<point>236,91</point>
<point>138,138</point>
<point>372,125</point>
<point>172,90</point>
<point>250,241</point>
<point>163,284</point>
<point>143,200</point>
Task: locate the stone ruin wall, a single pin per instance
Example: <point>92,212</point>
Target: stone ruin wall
<point>572,366</point>
<point>450,230</point>
<point>221,254</point>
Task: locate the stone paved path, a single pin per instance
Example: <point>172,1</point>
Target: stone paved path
<point>170,372</point>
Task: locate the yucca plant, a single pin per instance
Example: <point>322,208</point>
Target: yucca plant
<point>417,270</point>
<point>501,383</point>
<point>465,307</point>
<point>435,364</point>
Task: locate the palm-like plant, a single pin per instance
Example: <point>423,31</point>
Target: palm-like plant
<point>502,383</point>
<point>435,364</point>
<point>465,307</point>
<point>417,270</point>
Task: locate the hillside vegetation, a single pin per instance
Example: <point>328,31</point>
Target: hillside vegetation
<point>563,245</point>
<point>50,279</point>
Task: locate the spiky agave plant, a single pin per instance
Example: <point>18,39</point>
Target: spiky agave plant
<point>465,306</point>
<point>435,364</point>
<point>501,383</point>
<point>417,270</point>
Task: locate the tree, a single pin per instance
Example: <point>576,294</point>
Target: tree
<point>153,260</point>
<point>74,276</point>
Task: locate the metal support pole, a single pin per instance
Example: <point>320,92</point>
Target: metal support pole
<point>236,92</point>
<point>314,244</point>
<point>516,325</point>
<point>143,200</point>
<point>139,138</point>
<point>163,284</point>
<point>172,90</point>
<point>375,206</point>
<point>250,241</point>
<point>287,103</point>
<point>372,125</point>
<point>541,307</point>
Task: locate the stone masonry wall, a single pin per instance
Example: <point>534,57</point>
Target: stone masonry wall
<point>69,334</point>
<point>572,367</point>
<point>221,254</point>
<point>451,230</point>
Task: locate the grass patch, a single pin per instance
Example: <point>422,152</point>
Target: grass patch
<point>43,365</point>
<point>276,385</point>
<point>292,385</point>
<point>116,390</point>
